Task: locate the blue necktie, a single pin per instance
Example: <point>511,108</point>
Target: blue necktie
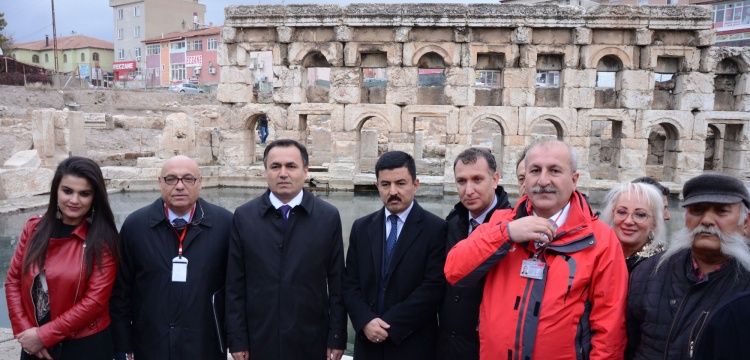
<point>179,223</point>
<point>390,242</point>
<point>285,211</point>
<point>473,224</point>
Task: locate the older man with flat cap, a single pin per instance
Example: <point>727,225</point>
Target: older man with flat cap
<point>673,295</point>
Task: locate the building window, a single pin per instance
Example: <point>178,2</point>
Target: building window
<point>120,34</point>
<point>732,14</point>
<point>488,78</point>
<point>195,45</point>
<point>177,46</point>
<point>65,58</point>
<point>95,56</point>
<point>671,2</point>
<point>83,57</point>
<point>153,49</point>
<point>137,52</point>
<point>137,31</point>
<point>46,57</point>
<point>120,54</point>
<point>137,11</point>
<point>35,59</point>
<point>549,79</point>
<point>178,72</point>
<point>212,44</point>
<point>120,14</point>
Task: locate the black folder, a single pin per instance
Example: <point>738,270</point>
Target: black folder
<point>217,310</point>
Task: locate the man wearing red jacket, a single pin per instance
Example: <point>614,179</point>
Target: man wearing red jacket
<point>556,280</point>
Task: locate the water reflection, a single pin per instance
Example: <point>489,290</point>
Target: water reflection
<point>351,206</point>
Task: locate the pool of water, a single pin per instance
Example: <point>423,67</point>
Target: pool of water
<point>350,205</point>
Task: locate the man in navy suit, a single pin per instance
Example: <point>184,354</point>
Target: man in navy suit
<point>393,283</point>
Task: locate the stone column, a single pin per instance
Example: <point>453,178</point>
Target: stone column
<point>633,154</point>
<point>43,135</point>
<point>689,160</point>
<point>76,134</point>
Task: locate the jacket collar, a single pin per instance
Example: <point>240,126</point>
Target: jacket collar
<point>574,235</point>
<point>502,203</point>
<point>81,230</point>
<point>156,214</point>
<point>306,205</point>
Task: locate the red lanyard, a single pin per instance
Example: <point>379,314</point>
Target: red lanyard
<point>181,236</point>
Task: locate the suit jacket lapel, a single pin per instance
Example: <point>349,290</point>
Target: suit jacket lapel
<point>409,233</point>
<point>376,234</point>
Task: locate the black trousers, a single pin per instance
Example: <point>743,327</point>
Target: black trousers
<point>93,347</point>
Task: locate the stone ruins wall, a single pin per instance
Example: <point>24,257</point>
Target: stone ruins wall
<point>635,90</point>
<point>604,79</point>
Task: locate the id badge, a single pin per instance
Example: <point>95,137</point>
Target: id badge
<point>533,269</point>
<point>179,269</point>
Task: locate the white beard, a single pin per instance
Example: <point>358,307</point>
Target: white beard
<point>732,245</point>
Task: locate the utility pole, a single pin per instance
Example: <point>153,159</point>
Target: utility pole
<point>54,35</point>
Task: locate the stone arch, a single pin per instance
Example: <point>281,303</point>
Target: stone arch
<point>431,79</point>
<point>494,117</point>
<point>726,77</point>
<point>419,53</point>
<point>300,56</point>
<point>547,127</point>
<point>316,76</point>
<point>372,133</point>
<point>489,132</point>
<point>625,58</point>
<point>741,64</point>
<point>240,145</point>
<point>608,82</point>
<point>712,156</point>
<point>663,147</point>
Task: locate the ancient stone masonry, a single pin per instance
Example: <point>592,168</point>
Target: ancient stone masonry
<point>636,90</point>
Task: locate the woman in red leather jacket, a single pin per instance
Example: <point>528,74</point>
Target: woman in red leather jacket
<point>63,270</point>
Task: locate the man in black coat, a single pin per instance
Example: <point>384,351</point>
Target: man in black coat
<point>173,259</point>
<point>285,268</point>
<point>394,269</point>
<point>479,194</point>
<point>673,295</point>
<point>726,334</point>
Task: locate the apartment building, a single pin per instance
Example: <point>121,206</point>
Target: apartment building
<point>137,20</point>
<point>183,57</point>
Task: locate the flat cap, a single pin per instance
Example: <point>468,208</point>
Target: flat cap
<point>714,188</point>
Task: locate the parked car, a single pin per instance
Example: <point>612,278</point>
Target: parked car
<point>186,88</point>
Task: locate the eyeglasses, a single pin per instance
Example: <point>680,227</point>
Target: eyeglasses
<point>638,216</point>
<point>173,180</point>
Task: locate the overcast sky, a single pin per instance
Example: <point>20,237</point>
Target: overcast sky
<point>30,20</point>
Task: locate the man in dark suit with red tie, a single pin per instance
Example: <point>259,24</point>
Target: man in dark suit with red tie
<point>393,283</point>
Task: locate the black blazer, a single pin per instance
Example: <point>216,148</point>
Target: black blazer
<point>284,279</point>
<point>413,290</point>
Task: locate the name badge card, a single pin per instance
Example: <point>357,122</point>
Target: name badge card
<point>179,269</point>
<point>533,269</point>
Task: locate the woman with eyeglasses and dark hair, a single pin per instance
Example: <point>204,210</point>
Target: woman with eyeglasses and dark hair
<point>635,213</point>
<point>62,272</point>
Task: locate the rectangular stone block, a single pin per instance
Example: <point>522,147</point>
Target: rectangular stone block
<point>235,93</point>
<point>406,76</point>
<point>236,75</point>
<point>519,78</point>
<point>345,94</point>
<point>743,85</point>
<point>519,96</point>
<point>640,80</point>
<point>457,76</point>
<point>35,181</point>
<point>694,82</point>
<point>401,95</point>
<point>578,98</point>
<point>572,78</point>
<point>634,99</point>
<point>460,95</point>
<point>693,100</point>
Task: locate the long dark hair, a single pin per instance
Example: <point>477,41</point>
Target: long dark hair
<point>102,233</point>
